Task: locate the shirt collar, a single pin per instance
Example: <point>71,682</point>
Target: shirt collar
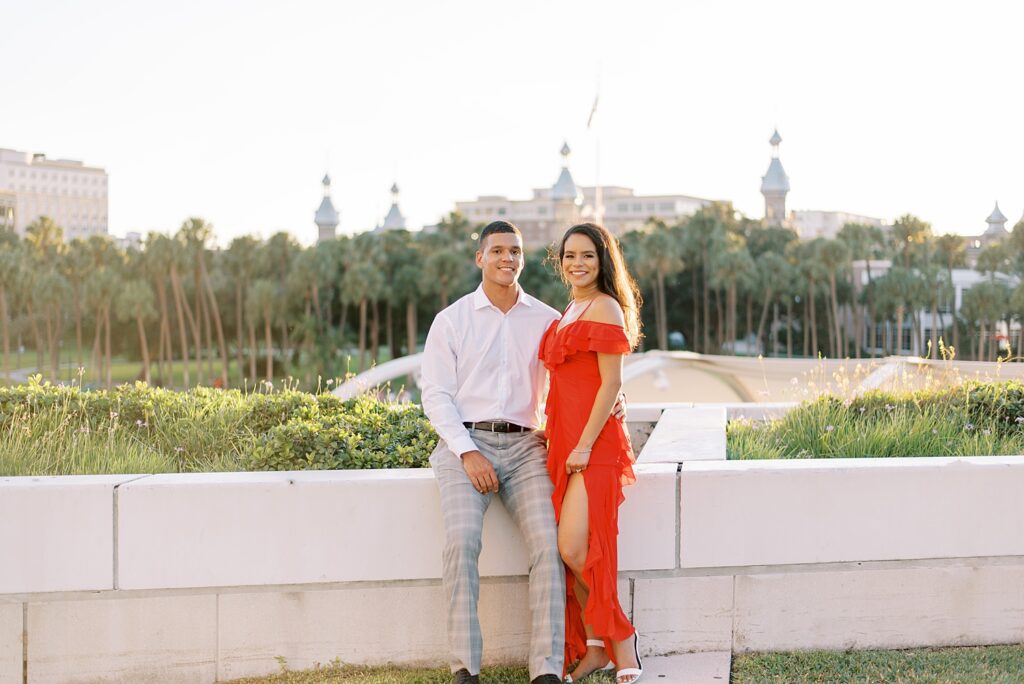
<point>480,300</point>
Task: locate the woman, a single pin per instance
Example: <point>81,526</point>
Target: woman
<point>589,455</point>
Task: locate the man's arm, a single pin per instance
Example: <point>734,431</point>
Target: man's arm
<point>439,380</point>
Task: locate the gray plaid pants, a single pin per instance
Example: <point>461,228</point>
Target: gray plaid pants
<point>524,486</point>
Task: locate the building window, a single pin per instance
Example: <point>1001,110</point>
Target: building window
<point>501,211</point>
<point>905,339</point>
<point>623,207</point>
<point>667,206</point>
<point>542,211</point>
<point>637,206</point>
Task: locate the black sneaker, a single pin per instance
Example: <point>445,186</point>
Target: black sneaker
<point>463,677</point>
<point>546,679</point>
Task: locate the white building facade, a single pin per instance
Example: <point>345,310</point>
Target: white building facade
<point>544,217</point>
<point>69,192</point>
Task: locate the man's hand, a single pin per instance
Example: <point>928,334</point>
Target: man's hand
<point>619,410</point>
<point>480,471</point>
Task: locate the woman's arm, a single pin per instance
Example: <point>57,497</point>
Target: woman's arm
<point>605,310</point>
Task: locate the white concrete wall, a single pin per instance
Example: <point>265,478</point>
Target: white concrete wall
<point>201,578</point>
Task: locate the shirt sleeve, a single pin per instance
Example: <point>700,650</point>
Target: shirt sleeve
<point>440,383</point>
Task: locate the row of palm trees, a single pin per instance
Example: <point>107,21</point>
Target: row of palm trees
<point>259,309</point>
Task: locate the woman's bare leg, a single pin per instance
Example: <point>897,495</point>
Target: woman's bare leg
<point>573,544</point>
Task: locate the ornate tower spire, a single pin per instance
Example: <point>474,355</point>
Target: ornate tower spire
<point>326,217</point>
<point>996,222</point>
<point>775,186</point>
<point>394,220</point>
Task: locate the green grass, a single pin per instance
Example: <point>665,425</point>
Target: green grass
<point>973,665</point>
<point>353,674</point>
<point>975,419</point>
<point>980,665</point>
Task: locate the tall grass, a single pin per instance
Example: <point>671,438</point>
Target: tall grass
<point>62,430</point>
<point>969,419</point>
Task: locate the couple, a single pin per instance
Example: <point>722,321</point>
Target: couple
<point>483,373</point>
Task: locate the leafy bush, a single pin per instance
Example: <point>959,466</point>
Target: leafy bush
<point>54,430</point>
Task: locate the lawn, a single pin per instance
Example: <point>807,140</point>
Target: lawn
<point>977,665</point>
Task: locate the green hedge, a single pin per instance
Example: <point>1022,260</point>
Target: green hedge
<point>47,429</point>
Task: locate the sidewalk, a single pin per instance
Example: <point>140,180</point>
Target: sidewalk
<point>689,668</point>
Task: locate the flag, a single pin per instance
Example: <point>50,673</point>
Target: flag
<point>593,110</point>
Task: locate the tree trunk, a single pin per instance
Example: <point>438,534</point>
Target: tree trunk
<point>720,332</point>
<point>389,331</point>
<point>5,333</point>
<point>833,343</point>
<point>219,327</point>
<point>96,348</point>
<point>375,333</point>
<point>185,313</point>
<point>207,331</point>
<point>78,324</point>
<point>286,350</point>
<point>238,326</point>
<point>695,335</point>
<point>268,343</point>
<point>807,328</point>
<point>662,312</point>
<point>789,327</point>
<point>165,335</point>
<point>252,351</point>
<point>900,313</point>
<point>750,318</point>
<point>707,305</point>
<point>410,327</point>
<point>145,349</point>
<point>814,322</point>
<point>835,314</point>
<point>362,334</point>
<point>106,345</point>
<point>762,320</point>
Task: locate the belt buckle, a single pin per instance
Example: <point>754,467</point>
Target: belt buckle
<point>500,427</point>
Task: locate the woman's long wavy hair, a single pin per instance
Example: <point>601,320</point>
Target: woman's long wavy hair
<point>614,278</point>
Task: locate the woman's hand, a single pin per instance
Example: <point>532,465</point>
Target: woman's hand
<point>577,461</point>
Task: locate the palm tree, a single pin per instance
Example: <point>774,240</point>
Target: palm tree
<point>76,266</point>
<point>865,243</point>
<point>770,278</point>
<point>136,302</point>
<point>10,275</point>
<point>908,234</point>
<point>360,285</point>
<point>834,256</point>
<point>239,261</point>
<point>953,253</point>
<point>195,233</point>
<point>659,258</point>
<point>260,304</point>
<point>732,268</point>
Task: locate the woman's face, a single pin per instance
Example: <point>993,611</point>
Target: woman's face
<point>580,265</point>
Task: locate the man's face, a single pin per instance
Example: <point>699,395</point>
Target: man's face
<point>501,259</point>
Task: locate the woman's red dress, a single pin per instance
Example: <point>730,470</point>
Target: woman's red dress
<point>570,355</point>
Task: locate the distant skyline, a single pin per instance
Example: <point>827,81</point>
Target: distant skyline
<point>233,112</point>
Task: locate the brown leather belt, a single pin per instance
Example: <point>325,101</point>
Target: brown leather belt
<point>497,427</point>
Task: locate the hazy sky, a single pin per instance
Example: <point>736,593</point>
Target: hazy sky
<point>233,110</point>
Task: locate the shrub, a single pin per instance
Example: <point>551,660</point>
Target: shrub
<point>52,430</point>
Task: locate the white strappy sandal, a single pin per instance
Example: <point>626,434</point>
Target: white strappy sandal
<point>634,672</point>
<point>609,666</point>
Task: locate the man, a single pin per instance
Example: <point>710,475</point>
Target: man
<point>482,388</point>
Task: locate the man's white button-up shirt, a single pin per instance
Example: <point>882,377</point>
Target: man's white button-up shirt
<point>481,364</point>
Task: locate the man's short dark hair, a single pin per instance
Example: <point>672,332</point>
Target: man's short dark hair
<point>498,227</point>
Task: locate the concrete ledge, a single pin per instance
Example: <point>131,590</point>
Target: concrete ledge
<point>680,614</point>
<point>687,434</point>
<point>143,640</point>
<point>240,529</point>
<point>897,608</point>
<point>58,531</point>
<point>746,513</point>
<point>10,642</point>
